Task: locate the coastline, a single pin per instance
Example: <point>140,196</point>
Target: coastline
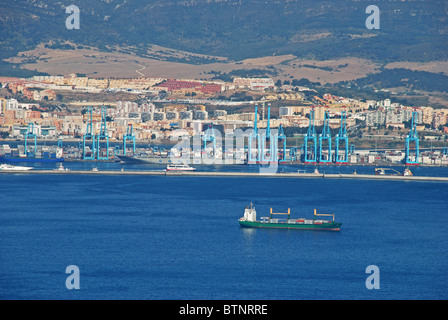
<point>232,174</point>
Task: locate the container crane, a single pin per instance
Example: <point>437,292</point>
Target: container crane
<point>325,136</point>
<point>254,137</point>
<point>30,134</point>
<point>282,139</point>
<point>89,135</point>
<point>266,139</point>
<point>103,136</point>
<point>310,137</point>
<point>352,149</point>
<point>412,138</point>
<point>210,137</point>
<point>129,136</point>
<point>342,137</point>
<point>293,153</point>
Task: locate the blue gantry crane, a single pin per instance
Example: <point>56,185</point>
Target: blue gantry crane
<point>268,125</point>
<point>210,137</point>
<point>412,138</point>
<point>293,153</point>
<point>281,138</point>
<point>30,134</point>
<point>89,135</point>
<point>310,137</point>
<point>129,136</point>
<point>117,150</point>
<point>254,137</point>
<point>263,147</point>
<point>342,137</point>
<point>103,136</point>
<point>268,143</point>
<point>325,139</point>
<point>352,149</point>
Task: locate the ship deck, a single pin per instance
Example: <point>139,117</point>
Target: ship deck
<point>313,225</point>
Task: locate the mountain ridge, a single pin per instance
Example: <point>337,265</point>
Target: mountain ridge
<point>237,29</point>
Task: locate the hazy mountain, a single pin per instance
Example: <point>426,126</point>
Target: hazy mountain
<point>409,30</point>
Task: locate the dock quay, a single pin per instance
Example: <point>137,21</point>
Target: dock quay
<point>232,174</point>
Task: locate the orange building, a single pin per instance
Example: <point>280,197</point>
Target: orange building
<point>33,114</point>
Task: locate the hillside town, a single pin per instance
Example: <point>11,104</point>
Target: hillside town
<point>56,106</point>
<point>161,103</point>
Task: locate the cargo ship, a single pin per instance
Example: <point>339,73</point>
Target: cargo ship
<point>27,159</point>
<point>151,159</point>
<point>175,156</point>
<point>39,154</point>
<point>249,220</point>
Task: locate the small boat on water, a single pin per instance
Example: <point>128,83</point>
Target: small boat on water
<point>392,172</point>
<point>61,168</point>
<point>386,172</point>
<point>179,167</point>
<point>249,220</point>
<point>8,167</point>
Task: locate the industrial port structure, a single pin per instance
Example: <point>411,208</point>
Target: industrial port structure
<point>412,138</point>
<point>96,146</point>
<point>264,146</point>
<point>30,134</point>
<point>129,136</point>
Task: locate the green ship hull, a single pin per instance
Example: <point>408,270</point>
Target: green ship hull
<point>330,226</point>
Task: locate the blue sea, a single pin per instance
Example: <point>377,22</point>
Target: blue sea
<point>168,237</point>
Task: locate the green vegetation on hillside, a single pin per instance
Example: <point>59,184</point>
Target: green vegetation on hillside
<point>392,78</point>
<point>328,29</point>
<point>409,30</point>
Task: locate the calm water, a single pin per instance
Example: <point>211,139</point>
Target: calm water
<point>139,237</point>
<point>331,169</point>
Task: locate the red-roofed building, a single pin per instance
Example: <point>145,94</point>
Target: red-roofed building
<point>189,86</point>
<point>176,85</point>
